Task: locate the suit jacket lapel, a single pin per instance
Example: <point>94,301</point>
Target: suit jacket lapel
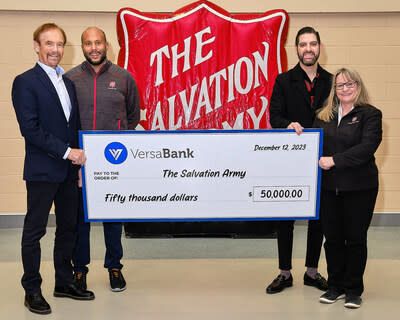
<point>322,83</point>
<point>45,80</point>
<point>299,83</point>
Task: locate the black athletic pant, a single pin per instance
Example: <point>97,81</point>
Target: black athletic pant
<point>345,218</point>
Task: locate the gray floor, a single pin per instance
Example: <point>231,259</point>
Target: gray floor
<point>203,278</point>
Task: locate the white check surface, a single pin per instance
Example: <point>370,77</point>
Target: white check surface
<point>202,175</point>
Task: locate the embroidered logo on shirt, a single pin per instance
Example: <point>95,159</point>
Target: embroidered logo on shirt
<point>354,120</point>
<point>112,85</point>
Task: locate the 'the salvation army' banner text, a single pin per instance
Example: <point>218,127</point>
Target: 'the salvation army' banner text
<point>202,67</point>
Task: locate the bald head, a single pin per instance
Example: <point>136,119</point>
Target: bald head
<point>91,30</point>
<point>94,47</point>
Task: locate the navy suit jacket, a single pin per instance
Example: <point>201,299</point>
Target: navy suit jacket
<point>43,125</point>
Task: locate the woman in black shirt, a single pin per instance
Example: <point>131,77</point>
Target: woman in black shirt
<point>352,133</point>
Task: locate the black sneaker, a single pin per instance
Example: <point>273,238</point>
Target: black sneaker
<point>331,296</point>
<point>117,281</point>
<point>279,284</point>
<point>80,280</point>
<point>318,282</point>
<point>352,301</point>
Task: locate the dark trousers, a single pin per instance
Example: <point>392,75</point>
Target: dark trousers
<point>345,218</point>
<point>285,243</point>
<point>40,197</point>
<point>112,239</point>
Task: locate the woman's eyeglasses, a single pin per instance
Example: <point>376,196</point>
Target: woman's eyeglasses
<point>348,85</point>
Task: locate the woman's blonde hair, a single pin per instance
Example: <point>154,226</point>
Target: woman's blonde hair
<point>332,103</point>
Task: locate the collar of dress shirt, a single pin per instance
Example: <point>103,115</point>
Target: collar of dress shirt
<point>51,71</point>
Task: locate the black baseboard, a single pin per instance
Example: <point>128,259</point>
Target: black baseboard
<point>210,229</point>
<point>236,229</point>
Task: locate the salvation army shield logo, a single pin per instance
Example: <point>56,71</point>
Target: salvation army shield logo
<point>201,67</point>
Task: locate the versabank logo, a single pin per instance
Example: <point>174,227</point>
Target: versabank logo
<point>115,153</point>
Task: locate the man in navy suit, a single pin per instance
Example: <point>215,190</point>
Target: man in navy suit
<point>47,112</point>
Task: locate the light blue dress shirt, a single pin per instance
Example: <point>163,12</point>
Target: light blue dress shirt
<point>55,75</point>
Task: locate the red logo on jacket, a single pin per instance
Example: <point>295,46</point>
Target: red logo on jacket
<point>112,85</point>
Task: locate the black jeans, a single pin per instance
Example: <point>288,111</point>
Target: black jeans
<point>285,243</point>
<point>345,218</point>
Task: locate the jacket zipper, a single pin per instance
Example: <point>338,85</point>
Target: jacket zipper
<point>95,94</point>
<point>94,102</point>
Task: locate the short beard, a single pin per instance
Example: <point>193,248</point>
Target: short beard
<point>96,63</point>
<point>309,64</point>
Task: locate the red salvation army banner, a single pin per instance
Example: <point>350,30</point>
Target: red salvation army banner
<point>202,67</point>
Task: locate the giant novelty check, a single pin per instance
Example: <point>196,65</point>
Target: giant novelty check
<point>201,175</point>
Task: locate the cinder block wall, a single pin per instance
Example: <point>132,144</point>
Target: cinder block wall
<point>369,42</point>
